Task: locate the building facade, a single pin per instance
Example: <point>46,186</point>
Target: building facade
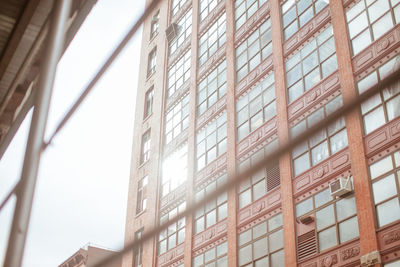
<point>222,84</point>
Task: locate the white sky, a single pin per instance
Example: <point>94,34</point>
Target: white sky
<point>83,178</point>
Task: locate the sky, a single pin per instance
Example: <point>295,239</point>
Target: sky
<point>83,178</point>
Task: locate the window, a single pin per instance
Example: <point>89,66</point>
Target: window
<point>256,48</point>
<point>145,151</point>
<point>177,119</point>
<point>322,144</point>
<point>262,245</point>
<point>295,14</point>
<point>138,255</point>
<point>216,256</point>
<point>178,74</point>
<point>392,264</point>
<point>141,200</point>
<point>385,180</point>
<point>368,20</point>
<point>261,182</point>
<point>175,233</point>
<point>148,104</point>
<point>184,31</point>
<point>174,170</point>
<point>206,6</point>
<point>245,9</point>
<point>151,65</point>
<point>335,219</point>
<point>211,88</point>
<point>211,141</point>
<point>384,106</point>
<point>312,63</point>
<point>215,210</point>
<point>255,107</point>
<point>176,5</point>
<point>154,24</point>
<point>212,39</point>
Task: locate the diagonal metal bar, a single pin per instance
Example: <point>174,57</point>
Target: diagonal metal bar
<point>9,195</point>
<point>103,69</point>
<point>232,181</point>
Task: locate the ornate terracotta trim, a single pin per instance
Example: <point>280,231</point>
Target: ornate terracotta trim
<point>214,60</point>
<point>214,169</point>
<point>172,256</point>
<point>210,237</point>
<point>207,116</point>
<point>173,199</point>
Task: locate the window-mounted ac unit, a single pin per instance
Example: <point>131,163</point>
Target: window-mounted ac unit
<point>340,187</point>
<point>171,32</point>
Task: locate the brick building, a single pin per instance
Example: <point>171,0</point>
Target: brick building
<point>222,84</point>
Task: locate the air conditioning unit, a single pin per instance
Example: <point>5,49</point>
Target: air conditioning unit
<point>307,219</point>
<point>340,187</point>
<point>171,32</point>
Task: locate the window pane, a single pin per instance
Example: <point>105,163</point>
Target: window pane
<point>278,259</point>
<point>276,240</point>
<point>348,229</point>
<point>245,255</point>
<point>260,248</point>
<point>327,238</point>
<point>388,212</point>
<point>325,217</point>
<point>345,208</point>
<point>381,167</point>
<point>304,207</point>
<point>384,188</point>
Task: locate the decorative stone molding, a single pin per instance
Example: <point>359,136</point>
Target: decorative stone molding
<point>177,95</point>
<point>373,56</point>
<point>258,208</point>
<point>171,146</point>
<point>307,31</point>
<point>342,255</point>
<point>389,237</point>
<point>382,138</point>
<point>208,237</point>
<point>179,52</point>
<point>173,199</point>
<point>213,169</point>
<point>211,17</point>
<point>211,111</point>
<point>252,24</point>
<point>326,169</point>
<point>200,184</point>
<point>181,12</point>
<point>257,139</point>
<point>324,91</point>
<point>172,256</point>
<point>246,83</point>
<point>214,60</point>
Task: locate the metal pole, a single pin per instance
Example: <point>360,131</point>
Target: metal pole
<point>54,46</point>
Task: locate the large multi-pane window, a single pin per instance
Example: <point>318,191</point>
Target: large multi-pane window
<point>206,6</point>
<point>212,39</point>
<point>369,20</point>
<point>295,14</point>
<point>211,88</point>
<point>335,219</point>
<point>255,107</point>
<point>383,106</point>
<point>215,210</point>
<point>145,148</point>
<point>176,5</point>
<point>151,64</point>
<point>175,233</point>
<point>256,48</point>
<point>244,9</point>
<point>385,180</point>
<point>211,141</point>
<point>392,264</point>
<point>263,181</point>
<point>262,244</point>
<point>178,74</point>
<point>141,200</point>
<point>148,104</point>
<point>214,257</point>
<point>323,143</point>
<point>184,31</point>
<point>174,170</point>
<point>312,63</point>
<point>177,119</point>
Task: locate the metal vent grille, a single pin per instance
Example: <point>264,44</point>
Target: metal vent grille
<point>306,245</point>
<point>273,177</point>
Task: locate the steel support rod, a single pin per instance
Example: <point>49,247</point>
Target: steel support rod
<point>25,193</point>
